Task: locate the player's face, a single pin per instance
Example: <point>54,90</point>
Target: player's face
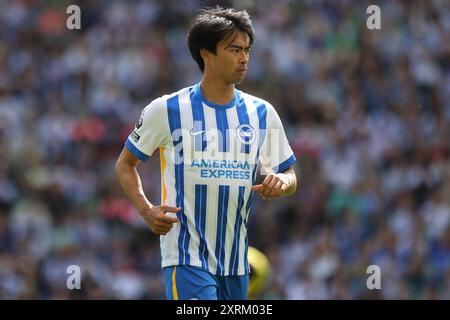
<point>231,61</point>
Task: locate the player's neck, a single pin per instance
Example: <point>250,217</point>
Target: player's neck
<point>217,92</point>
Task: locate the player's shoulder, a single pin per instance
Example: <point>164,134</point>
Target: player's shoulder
<point>257,101</point>
<point>159,104</point>
<point>178,93</point>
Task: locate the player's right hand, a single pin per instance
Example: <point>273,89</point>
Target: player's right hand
<point>157,220</point>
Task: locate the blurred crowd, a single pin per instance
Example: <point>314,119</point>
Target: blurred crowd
<point>367,113</point>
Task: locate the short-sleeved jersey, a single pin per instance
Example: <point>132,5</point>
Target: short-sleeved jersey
<point>209,158</point>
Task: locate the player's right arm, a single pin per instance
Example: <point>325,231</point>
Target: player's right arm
<point>150,133</point>
<point>128,176</point>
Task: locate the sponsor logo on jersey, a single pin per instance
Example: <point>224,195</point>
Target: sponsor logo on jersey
<point>135,136</point>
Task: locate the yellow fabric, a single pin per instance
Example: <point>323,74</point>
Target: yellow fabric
<point>163,167</point>
<point>174,284</point>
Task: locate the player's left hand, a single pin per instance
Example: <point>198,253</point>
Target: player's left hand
<point>273,186</point>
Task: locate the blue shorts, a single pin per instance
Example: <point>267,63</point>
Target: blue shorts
<point>188,282</point>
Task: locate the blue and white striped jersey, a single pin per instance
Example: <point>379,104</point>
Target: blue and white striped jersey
<point>209,159</point>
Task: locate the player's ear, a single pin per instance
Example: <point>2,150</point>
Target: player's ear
<point>205,54</point>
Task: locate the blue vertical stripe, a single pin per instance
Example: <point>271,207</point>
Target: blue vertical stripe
<point>262,120</point>
<point>173,111</point>
<point>243,119</point>
<point>234,259</point>
<point>247,207</point>
<point>222,126</point>
<point>246,266</point>
<point>224,194</point>
<point>198,116</point>
<point>200,222</point>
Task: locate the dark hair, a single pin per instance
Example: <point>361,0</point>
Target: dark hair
<point>211,26</point>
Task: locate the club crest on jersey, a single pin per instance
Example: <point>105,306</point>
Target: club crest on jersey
<point>246,134</point>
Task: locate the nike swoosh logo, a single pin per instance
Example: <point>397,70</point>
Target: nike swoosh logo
<point>196,133</point>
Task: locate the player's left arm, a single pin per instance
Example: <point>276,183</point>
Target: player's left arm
<point>276,158</point>
<point>277,184</point>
